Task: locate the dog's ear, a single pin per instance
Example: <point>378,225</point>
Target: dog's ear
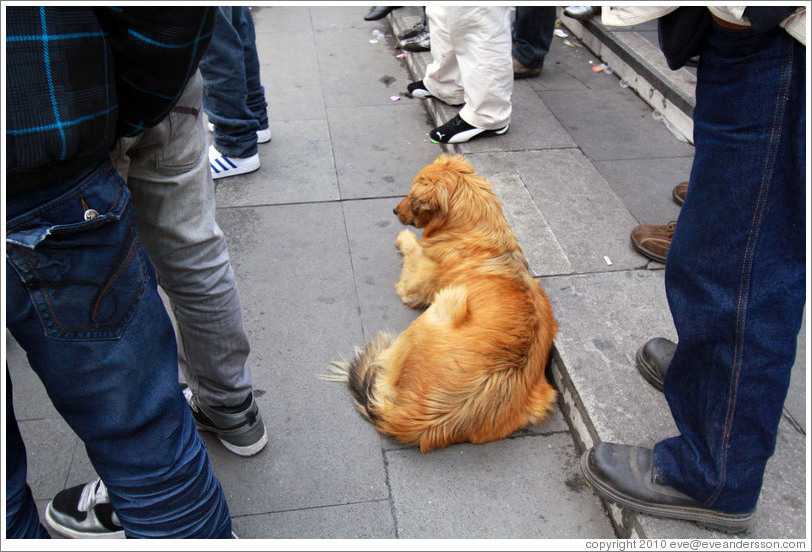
<point>429,200</point>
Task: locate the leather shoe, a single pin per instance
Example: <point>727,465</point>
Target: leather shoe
<point>653,358</point>
<point>626,475</point>
<point>418,43</point>
<point>378,12</point>
<point>521,71</point>
<point>653,240</point>
<point>582,13</point>
<point>679,192</point>
<point>412,32</point>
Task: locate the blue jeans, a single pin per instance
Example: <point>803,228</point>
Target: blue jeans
<point>233,96</point>
<point>532,34</point>
<point>82,301</point>
<point>736,269</point>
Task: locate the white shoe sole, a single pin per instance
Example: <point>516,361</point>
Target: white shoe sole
<point>465,136</point>
<point>71,534</point>
<point>250,450</point>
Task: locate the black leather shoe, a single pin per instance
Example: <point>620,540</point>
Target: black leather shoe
<point>625,475</point>
<point>418,43</point>
<point>412,32</point>
<point>378,12</point>
<point>653,358</point>
<point>582,13</point>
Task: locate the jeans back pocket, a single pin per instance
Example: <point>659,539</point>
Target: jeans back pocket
<point>80,259</point>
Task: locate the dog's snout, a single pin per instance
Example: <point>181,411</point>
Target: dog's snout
<point>395,210</point>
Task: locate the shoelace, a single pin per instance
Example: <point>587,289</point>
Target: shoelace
<point>671,227</point>
<point>93,493</point>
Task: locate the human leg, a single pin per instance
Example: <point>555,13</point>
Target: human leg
<point>255,92</point>
<point>103,346</point>
<point>225,96</point>
<point>532,34</point>
<point>173,193</point>
<point>442,78</point>
<point>482,44</point>
<point>737,303</point>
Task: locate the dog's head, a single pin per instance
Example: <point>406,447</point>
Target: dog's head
<point>432,191</point>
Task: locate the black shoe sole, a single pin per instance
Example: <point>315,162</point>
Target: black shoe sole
<point>646,370</point>
<point>708,519</point>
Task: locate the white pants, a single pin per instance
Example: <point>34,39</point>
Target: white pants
<point>471,51</point>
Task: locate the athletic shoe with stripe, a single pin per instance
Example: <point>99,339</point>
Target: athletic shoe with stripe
<point>223,166</point>
<point>457,131</point>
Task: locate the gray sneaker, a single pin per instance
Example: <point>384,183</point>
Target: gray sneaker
<point>239,428</point>
<point>84,512</point>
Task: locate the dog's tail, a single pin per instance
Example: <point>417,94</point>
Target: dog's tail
<point>359,373</point>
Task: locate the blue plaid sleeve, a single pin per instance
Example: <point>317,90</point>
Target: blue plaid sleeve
<point>60,101</point>
<point>156,51</point>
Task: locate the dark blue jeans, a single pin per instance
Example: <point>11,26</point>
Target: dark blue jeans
<point>233,96</point>
<point>532,34</point>
<point>82,302</point>
<point>736,269</point>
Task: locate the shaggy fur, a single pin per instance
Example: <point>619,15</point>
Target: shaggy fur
<point>471,367</point>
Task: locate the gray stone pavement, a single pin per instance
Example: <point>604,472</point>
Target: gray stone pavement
<point>312,234</point>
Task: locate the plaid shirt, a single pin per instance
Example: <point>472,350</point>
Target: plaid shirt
<point>78,78</point>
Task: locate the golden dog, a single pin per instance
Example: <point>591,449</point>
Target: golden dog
<point>471,367</point>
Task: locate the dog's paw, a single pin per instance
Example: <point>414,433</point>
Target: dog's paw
<point>407,241</point>
<point>411,300</point>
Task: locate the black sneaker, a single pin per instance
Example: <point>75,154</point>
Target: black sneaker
<point>457,131</point>
<point>240,428</point>
<point>418,90</point>
<point>84,512</point>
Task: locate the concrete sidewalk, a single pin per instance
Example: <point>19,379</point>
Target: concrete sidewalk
<point>312,236</point>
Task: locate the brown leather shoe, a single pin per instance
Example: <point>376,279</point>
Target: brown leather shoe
<point>522,72</point>
<point>653,240</point>
<point>679,192</point>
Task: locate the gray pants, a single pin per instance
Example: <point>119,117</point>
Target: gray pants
<point>167,171</point>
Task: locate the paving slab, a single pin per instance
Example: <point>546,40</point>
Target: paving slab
<point>372,162</point>
<point>296,166</point>
<point>613,124</point>
<point>645,185</point>
<point>293,84</point>
<point>586,217</point>
<point>293,267</point>
<point>364,520</point>
<point>526,487</point>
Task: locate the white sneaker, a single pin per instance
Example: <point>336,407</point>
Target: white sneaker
<point>263,134</point>
<point>223,166</point>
